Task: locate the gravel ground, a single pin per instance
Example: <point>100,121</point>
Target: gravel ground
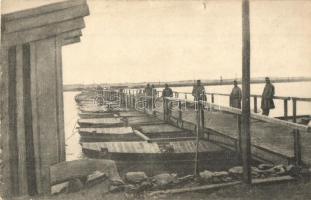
<point>291,191</point>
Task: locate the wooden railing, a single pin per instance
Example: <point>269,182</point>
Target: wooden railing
<point>130,99</point>
<point>255,98</point>
<point>285,99</point>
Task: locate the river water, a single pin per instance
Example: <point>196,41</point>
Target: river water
<point>73,149</point>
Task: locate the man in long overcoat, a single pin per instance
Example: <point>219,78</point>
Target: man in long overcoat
<point>267,97</point>
<point>236,96</point>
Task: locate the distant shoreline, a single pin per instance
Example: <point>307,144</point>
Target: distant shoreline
<point>186,83</point>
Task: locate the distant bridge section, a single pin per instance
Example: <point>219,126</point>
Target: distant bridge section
<point>186,83</point>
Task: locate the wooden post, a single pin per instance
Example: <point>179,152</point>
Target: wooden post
<point>239,147</point>
<point>145,102</point>
<point>255,104</point>
<point>285,109</point>
<point>179,112</point>
<point>297,147</point>
<point>126,100</point>
<point>20,122</point>
<point>32,94</point>
<point>202,117</point>
<point>294,110</point>
<point>212,98</point>
<point>198,122</point>
<point>165,109</point>
<point>245,139</point>
<point>5,122</point>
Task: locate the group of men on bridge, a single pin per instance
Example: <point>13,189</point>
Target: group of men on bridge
<point>199,94</point>
<point>266,97</point>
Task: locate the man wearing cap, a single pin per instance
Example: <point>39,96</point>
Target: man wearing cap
<point>167,92</point>
<point>235,96</point>
<point>267,97</point>
<point>148,95</point>
<point>198,92</point>
<point>153,94</point>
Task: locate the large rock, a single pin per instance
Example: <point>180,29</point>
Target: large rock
<point>135,177</point>
<point>65,171</point>
<point>206,175</point>
<point>293,170</point>
<point>279,170</point>
<point>75,185</point>
<point>265,166</point>
<point>161,180</point>
<point>214,177</point>
<point>238,171</point>
<point>94,178</point>
<point>221,174</point>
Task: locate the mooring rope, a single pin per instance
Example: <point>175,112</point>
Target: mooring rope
<point>73,132</point>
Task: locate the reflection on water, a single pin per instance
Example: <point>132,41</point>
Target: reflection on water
<point>73,148</point>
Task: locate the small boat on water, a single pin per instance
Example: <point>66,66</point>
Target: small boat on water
<point>136,140</point>
<point>164,131</point>
<point>142,120</point>
<point>90,115</point>
<point>137,151</point>
<point>93,108</point>
<point>108,134</point>
<point>101,122</point>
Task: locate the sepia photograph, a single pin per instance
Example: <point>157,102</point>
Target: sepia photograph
<point>155,100</point>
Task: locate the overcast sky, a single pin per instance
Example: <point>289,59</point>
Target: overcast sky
<point>133,41</point>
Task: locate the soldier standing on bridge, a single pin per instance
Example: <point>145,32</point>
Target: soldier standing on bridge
<point>167,92</point>
<point>235,96</point>
<point>154,95</point>
<point>198,92</point>
<point>267,98</point>
<point>148,95</point>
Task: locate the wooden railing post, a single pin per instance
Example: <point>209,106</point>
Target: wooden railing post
<point>297,144</point>
<point>294,109</point>
<point>126,100</point>
<point>285,109</point>
<point>134,101</point>
<point>198,129</point>
<point>179,112</point>
<point>130,99</point>
<point>165,109</point>
<point>239,147</point>
<point>145,102</point>
<point>297,147</point>
<point>255,104</point>
<point>202,116</point>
